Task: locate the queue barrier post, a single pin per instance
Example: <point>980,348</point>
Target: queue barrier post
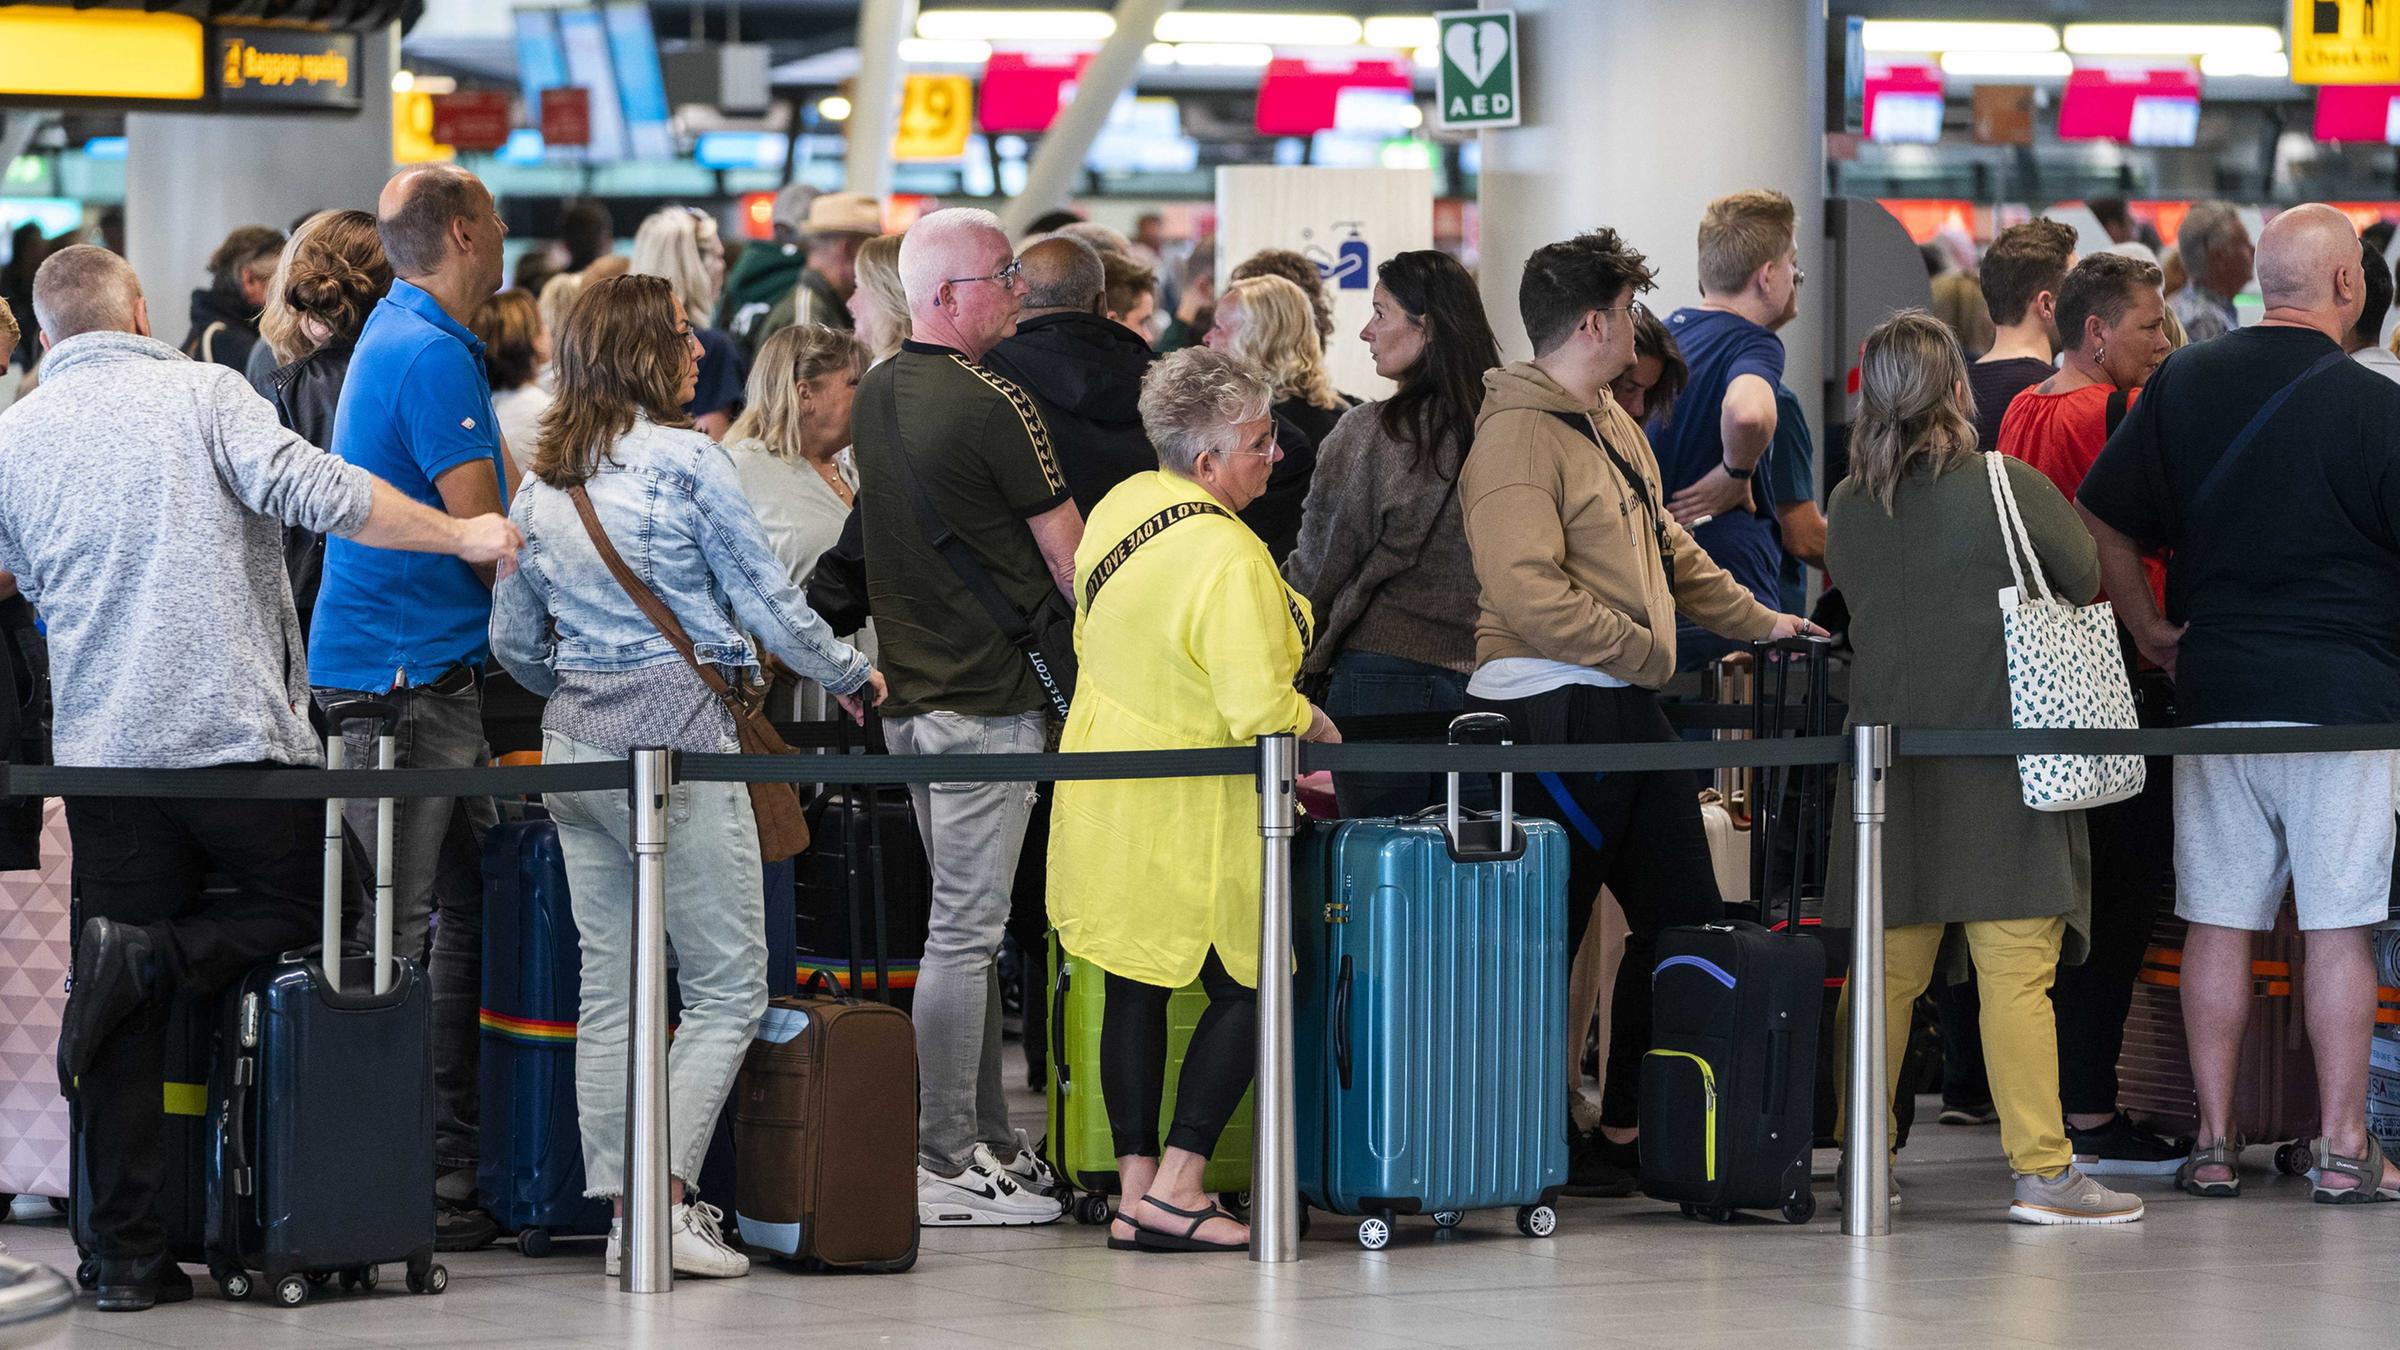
<point>646,1267</point>
<point>1275,1186</point>
<point>1867,1179</point>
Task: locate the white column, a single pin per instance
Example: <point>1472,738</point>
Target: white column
<point>875,94</point>
<point>190,178</point>
<point>1050,179</point>
<point>1637,114</point>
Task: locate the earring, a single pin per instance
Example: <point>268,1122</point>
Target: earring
<point>2101,356</point>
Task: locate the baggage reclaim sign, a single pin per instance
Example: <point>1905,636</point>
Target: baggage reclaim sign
<point>1478,70</point>
<point>260,67</point>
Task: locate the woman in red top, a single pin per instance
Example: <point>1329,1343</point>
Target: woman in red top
<point>2113,316</point>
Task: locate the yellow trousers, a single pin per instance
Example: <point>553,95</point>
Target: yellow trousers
<point>2015,962</point>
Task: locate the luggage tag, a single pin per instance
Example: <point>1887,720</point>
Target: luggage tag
<point>780,1026</point>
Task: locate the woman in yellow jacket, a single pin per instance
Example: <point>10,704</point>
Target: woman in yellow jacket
<point>1186,638</point>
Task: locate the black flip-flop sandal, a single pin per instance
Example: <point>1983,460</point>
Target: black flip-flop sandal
<point>1156,1240</point>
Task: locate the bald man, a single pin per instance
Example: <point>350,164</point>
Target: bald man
<point>1083,369</point>
<point>2267,463</point>
<point>416,411</point>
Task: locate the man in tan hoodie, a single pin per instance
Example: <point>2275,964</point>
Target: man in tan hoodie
<point>1582,571</point>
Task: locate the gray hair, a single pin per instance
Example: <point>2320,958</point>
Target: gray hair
<point>1072,282</point>
<point>1192,400</point>
<point>940,242</point>
<point>416,235</point>
<point>2206,228</point>
<point>84,289</point>
<point>1099,236</point>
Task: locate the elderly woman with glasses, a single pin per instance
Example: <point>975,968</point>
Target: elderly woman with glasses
<point>1187,639</point>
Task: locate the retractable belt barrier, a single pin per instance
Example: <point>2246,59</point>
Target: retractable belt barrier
<point>1275,763</point>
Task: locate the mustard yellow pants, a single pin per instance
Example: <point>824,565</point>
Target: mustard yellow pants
<point>2015,961</point>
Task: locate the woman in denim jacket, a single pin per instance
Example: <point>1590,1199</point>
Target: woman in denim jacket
<point>673,508</point>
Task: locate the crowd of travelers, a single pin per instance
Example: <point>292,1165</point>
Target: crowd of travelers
<point>373,471</point>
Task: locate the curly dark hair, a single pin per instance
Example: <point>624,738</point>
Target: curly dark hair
<point>1571,278</point>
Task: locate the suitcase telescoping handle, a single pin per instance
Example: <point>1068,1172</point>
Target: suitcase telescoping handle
<point>1462,728</point>
<point>387,755</point>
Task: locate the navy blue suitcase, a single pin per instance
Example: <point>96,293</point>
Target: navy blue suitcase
<point>1429,1050</point>
<point>324,1159</point>
<point>529,1174</point>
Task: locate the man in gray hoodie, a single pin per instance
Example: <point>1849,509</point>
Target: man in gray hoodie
<point>143,498</point>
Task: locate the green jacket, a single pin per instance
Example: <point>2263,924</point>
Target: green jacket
<point>765,274</point>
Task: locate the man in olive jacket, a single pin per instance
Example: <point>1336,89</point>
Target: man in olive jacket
<point>1583,571</point>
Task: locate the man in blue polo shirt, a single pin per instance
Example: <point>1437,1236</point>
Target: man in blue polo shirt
<point>416,411</point>
<point>1713,454</point>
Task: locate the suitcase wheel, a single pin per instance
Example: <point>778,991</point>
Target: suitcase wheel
<point>364,1278</point>
<point>534,1242</point>
<point>1537,1221</point>
<point>319,1279</point>
<point>434,1280</point>
<point>2294,1160</point>
<point>1375,1234</point>
<point>1800,1208</point>
<point>87,1275</point>
<point>1236,1203</point>
<point>1092,1210</point>
<point>291,1291</point>
<point>1448,1218</point>
<point>233,1283</point>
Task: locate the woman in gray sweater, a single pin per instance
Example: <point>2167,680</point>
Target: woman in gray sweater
<point>1382,556</point>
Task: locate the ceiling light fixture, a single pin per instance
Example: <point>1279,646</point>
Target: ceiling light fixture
<point>944,51</point>
<point>1934,35</point>
<point>1279,30</point>
<point>2252,65</point>
<point>1016,25</point>
<point>2008,65</point>
<point>2172,39</point>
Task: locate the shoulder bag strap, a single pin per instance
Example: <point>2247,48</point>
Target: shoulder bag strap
<point>944,540</point>
<point>2257,423</point>
<point>1582,424</point>
<point>1142,534</point>
<point>647,601</point>
<point>2115,413</point>
<point>208,342</point>
<point>2014,537</point>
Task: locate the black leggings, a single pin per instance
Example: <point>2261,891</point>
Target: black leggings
<point>1217,1066</point>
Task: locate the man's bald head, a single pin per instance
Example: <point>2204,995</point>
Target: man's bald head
<point>426,212</point>
<point>2308,260</point>
<point>1063,272</point>
<point>86,290</point>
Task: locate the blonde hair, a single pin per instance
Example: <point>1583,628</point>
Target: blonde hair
<point>617,355</point>
<point>1742,233</point>
<point>878,267</point>
<point>790,357</point>
<point>674,243</point>
<point>332,271</point>
<point>1912,404</point>
<point>1279,336</point>
<point>559,294</point>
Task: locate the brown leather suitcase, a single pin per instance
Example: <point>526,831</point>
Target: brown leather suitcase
<point>2275,1090</point>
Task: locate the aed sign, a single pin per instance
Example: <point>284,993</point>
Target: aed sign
<point>2345,42</point>
<point>1478,70</point>
<point>253,66</point>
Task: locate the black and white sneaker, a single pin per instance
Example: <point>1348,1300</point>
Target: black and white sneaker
<point>979,1197</point>
<point>2126,1148</point>
<point>1027,1169</point>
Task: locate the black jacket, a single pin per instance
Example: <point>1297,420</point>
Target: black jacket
<point>1085,374</point>
<point>305,394</point>
<point>1300,427</point>
<point>235,325</point>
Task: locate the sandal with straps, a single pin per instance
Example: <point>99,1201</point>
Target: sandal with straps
<point>1159,1240</point>
<point>2223,1154</point>
<point>2366,1171</point>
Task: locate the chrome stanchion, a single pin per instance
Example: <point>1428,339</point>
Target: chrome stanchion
<point>1275,1186</point>
<point>646,1267</point>
<point>1867,1180</point>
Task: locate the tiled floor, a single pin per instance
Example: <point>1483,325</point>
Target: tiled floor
<point>2265,1272</point>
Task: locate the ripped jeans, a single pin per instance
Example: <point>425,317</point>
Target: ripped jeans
<point>973,834</point>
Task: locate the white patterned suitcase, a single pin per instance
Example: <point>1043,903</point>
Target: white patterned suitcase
<point>35,934</point>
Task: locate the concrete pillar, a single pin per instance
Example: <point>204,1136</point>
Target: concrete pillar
<point>1058,160</point>
<point>190,178</point>
<point>1636,116</point>
<point>875,94</point>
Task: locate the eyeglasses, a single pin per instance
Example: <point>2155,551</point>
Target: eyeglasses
<point>1635,307</point>
<point>1799,276</point>
<point>1006,276</point>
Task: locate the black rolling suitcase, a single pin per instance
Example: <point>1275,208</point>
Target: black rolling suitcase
<point>1729,1091</point>
<point>840,826</point>
<point>325,1166</point>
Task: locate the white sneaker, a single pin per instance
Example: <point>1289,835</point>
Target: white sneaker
<point>1028,1171</point>
<point>697,1246</point>
<point>2071,1198</point>
<point>982,1196</point>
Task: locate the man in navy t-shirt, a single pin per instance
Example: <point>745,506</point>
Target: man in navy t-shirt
<point>413,629</point>
<point>1711,452</point>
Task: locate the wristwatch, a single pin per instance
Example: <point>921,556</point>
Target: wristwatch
<point>1739,475</point>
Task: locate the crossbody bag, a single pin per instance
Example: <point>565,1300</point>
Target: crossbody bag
<point>782,823</point>
<point>1046,635</point>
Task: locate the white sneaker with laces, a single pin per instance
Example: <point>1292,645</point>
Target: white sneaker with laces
<point>1028,1171</point>
<point>697,1245</point>
<point>982,1196</point>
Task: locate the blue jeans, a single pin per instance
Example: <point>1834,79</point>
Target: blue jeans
<point>718,927</point>
<point>1370,684</point>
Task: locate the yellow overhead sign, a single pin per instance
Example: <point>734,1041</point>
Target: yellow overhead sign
<point>48,52</point>
<point>2345,42</point>
<point>936,112</point>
